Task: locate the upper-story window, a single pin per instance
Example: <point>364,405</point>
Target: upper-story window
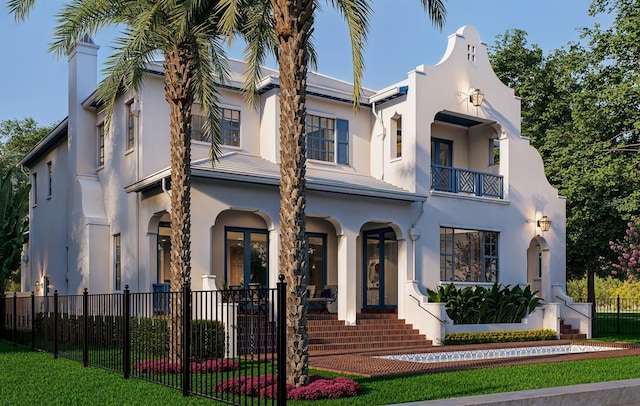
<point>396,133</point>
<point>229,128</point>
<point>49,179</point>
<point>100,143</point>
<point>131,126</point>
<point>325,136</point>
<point>34,188</point>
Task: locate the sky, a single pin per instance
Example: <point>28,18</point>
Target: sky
<point>401,37</point>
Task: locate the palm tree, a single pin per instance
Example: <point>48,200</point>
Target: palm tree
<point>186,33</point>
<point>290,22</point>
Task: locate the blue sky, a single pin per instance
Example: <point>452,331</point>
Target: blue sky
<point>401,38</point>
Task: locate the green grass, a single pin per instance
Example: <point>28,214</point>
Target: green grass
<point>30,378</point>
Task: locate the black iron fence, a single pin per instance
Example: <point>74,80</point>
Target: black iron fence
<point>616,316</point>
<point>194,341</point>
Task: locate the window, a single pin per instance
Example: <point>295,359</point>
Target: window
<point>49,179</point>
<point>247,256</point>
<point>471,53</point>
<point>100,145</point>
<point>494,152</point>
<point>34,188</point>
<point>322,139</point>
<point>396,132</point>
<point>131,127</point>
<point>468,255</point>
<point>229,128</point>
<point>117,263</point>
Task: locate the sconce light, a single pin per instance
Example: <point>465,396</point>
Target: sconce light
<point>37,286</point>
<point>544,223</point>
<point>476,97</point>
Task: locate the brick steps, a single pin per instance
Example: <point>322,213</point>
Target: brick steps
<point>567,332</point>
<point>372,332</point>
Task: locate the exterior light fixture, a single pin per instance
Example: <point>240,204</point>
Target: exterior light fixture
<point>544,223</point>
<point>37,286</point>
<point>476,97</point>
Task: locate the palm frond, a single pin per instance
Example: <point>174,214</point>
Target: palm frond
<point>436,11</point>
<point>20,8</point>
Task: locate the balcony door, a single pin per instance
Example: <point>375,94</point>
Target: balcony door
<point>441,164</point>
<point>380,269</point>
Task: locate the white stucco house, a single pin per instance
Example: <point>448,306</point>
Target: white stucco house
<point>428,182</point>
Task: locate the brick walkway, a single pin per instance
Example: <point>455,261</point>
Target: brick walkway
<point>364,363</point>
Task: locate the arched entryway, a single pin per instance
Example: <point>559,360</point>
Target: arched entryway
<point>538,263</point>
<point>380,268</point>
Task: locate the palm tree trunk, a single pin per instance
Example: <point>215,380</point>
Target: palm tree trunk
<point>294,22</point>
<point>179,94</point>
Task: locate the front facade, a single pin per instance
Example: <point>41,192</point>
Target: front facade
<point>428,182</point>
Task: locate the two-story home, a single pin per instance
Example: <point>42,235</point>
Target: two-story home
<point>428,182</point>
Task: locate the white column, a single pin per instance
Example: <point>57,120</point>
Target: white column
<point>274,251</point>
<point>347,277</point>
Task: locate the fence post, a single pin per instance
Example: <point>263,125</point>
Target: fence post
<point>186,338</point>
<point>55,322</point>
<point>618,316</point>
<point>15,318</point>
<point>85,322</point>
<point>126,333</point>
<point>282,341</point>
<point>33,317</point>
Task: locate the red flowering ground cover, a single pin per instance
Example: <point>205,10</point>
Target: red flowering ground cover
<point>264,386</point>
<point>166,366</point>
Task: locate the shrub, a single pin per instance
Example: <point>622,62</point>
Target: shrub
<point>499,337</point>
<point>479,305</point>
<point>264,386</point>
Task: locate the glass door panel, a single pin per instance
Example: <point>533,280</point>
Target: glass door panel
<point>380,269</point>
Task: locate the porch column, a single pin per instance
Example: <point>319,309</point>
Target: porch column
<point>405,270</point>
<point>274,250</point>
<point>347,277</point>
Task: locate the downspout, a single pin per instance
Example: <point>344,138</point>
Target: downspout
<point>414,234</point>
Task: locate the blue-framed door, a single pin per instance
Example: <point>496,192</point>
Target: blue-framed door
<point>246,256</point>
<point>380,268</point>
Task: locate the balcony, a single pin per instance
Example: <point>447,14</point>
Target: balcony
<point>457,180</point>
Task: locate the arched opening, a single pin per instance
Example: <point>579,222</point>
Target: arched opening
<point>538,267</point>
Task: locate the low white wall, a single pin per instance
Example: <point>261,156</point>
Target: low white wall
<point>577,314</point>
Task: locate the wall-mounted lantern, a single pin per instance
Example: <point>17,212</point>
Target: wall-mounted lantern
<point>544,223</point>
<point>476,97</point>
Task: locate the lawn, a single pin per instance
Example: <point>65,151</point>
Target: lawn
<point>30,378</point>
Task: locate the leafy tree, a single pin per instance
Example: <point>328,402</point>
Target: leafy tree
<point>17,137</point>
<point>290,22</point>
<point>14,208</point>
<point>186,33</point>
<point>579,107</point>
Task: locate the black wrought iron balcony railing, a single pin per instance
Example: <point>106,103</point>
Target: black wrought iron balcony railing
<point>457,180</point>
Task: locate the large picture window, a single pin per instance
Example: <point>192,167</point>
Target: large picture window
<point>468,255</point>
<point>325,136</point>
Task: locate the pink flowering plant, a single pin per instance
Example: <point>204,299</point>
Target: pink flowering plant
<point>196,366</point>
<point>628,251</point>
<point>265,386</point>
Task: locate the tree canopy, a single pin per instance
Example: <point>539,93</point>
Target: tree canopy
<point>580,109</point>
